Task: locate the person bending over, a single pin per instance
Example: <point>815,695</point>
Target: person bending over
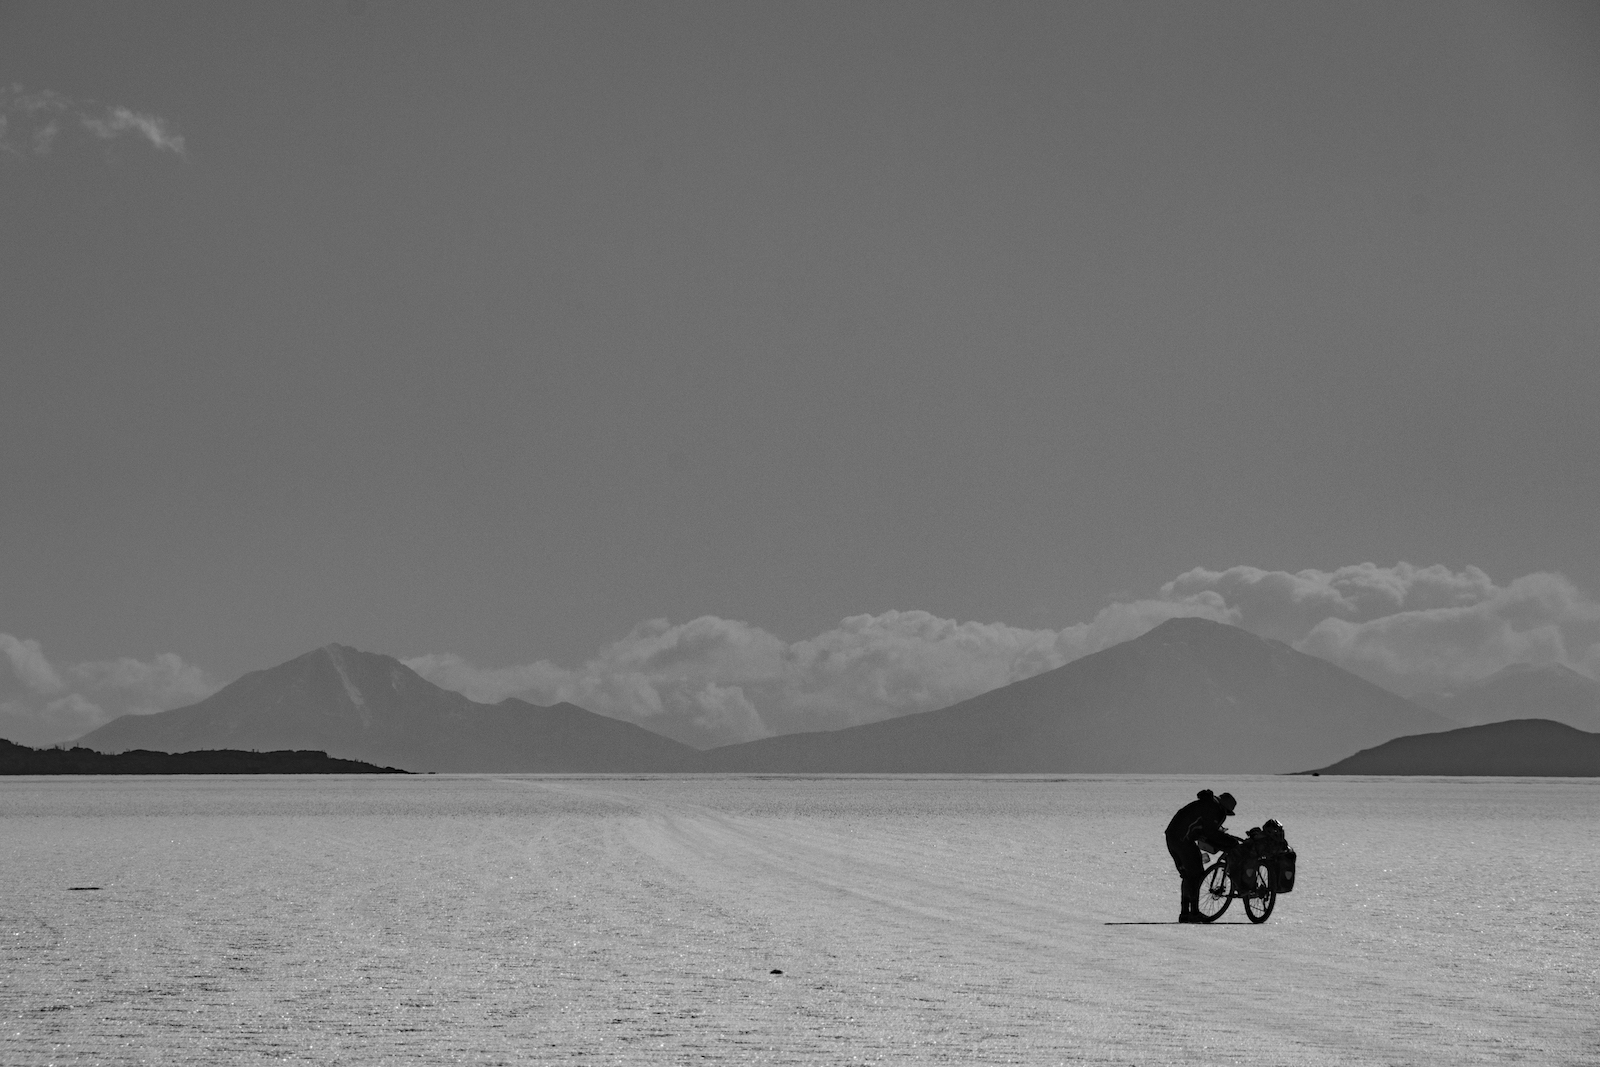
<point>1197,823</point>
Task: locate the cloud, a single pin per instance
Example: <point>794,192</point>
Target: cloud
<point>1283,605</point>
<point>714,681</point>
<point>42,704</point>
<point>1412,629</point>
<point>159,684</point>
<point>119,120</point>
<point>32,122</point>
<point>30,666</point>
<point>711,681</point>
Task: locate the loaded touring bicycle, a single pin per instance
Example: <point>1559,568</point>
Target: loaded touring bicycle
<point>1256,871</point>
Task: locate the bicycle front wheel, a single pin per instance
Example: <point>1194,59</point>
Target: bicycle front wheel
<point>1258,896</point>
<point>1216,890</point>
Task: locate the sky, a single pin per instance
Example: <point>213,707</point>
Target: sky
<point>740,368</point>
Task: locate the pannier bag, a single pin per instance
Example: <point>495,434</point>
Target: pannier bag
<point>1267,842</point>
<point>1281,867</point>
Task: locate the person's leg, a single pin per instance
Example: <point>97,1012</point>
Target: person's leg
<point>1186,857</point>
<point>1191,886</point>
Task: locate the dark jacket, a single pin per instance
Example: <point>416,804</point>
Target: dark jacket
<point>1199,822</point>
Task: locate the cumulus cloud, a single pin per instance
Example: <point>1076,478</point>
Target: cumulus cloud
<point>145,686</point>
<point>711,681</point>
<point>714,681</point>
<point>32,122</point>
<point>42,703</point>
<point>1285,606</point>
<point>1412,629</point>
<point>30,666</point>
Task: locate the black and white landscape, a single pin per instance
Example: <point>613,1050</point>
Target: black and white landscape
<point>803,493</point>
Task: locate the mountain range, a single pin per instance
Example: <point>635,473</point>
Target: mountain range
<point>1190,696</point>
<point>364,706</point>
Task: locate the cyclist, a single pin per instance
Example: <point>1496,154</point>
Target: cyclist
<point>1197,823</point>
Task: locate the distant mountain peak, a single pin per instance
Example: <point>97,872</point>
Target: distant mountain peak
<point>1190,695</point>
<point>371,707</point>
<point>1204,639</point>
<point>1193,629</point>
<point>1189,624</point>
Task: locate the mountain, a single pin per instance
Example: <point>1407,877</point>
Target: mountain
<point>1530,747</point>
<point>1190,696</point>
<point>364,706</point>
<point>1521,691</point>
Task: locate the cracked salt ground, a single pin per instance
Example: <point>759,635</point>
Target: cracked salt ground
<point>914,920</point>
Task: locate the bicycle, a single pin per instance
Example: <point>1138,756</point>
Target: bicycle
<point>1218,887</point>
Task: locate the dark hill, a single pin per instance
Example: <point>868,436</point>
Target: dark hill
<point>1522,747</point>
<point>364,706</point>
<point>19,759</point>
<point>1190,696</point>
<point>1521,691</point>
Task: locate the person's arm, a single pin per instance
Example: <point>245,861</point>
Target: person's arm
<point>1216,839</point>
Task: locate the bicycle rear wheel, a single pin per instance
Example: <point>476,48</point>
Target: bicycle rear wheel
<point>1216,890</point>
<point>1258,894</point>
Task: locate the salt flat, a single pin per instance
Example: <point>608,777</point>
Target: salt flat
<point>366,920</point>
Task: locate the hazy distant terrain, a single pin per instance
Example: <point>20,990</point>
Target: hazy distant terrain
<point>1518,747</point>
<point>361,705</point>
<point>1521,691</point>
<point>398,920</point>
<point>1189,696</point>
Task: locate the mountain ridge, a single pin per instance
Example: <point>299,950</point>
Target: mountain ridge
<point>1513,748</point>
<point>1188,696</point>
<point>371,707</point>
<point>1522,691</point>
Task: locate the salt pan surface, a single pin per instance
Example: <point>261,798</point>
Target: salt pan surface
<point>602,920</point>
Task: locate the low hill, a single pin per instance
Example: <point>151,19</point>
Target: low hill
<point>19,759</point>
<point>1522,747</point>
<point>1190,696</point>
<point>1521,691</point>
<point>364,706</point>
